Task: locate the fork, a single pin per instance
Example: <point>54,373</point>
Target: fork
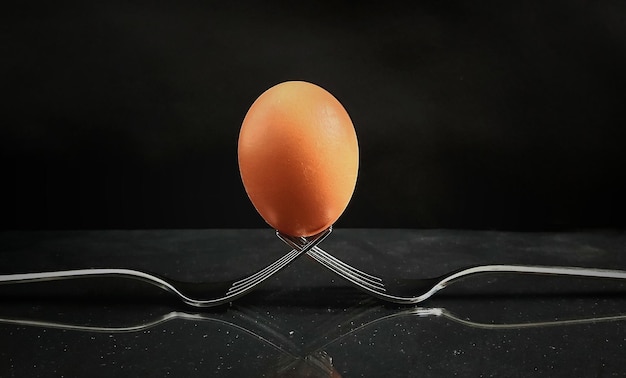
<point>396,290</point>
<point>412,291</point>
<point>205,294</point>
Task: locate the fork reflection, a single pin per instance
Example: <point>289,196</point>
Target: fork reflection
<point>251,320</point>
<point>300,353</point>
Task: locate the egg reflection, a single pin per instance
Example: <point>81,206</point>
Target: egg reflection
<point>317,365</point>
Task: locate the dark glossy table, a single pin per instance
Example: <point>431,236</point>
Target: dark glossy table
<point>306,322</point>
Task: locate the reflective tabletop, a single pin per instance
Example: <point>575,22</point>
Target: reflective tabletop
<point>305,321</point>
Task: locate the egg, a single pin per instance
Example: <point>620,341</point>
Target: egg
<point>298,157</point>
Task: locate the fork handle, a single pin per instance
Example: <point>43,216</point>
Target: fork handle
<point>535,269</point>
<point>18,278</point>
<point>450,278</point>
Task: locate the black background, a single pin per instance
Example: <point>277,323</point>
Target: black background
<point>500,115</point>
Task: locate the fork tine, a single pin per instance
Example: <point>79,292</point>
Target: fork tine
<point>260,276</point>
<point>245,284</point>
<point>358,281</point>
<point>350,275</point>
<point>355,271</point>
<point>368,279</point>
<point>349,267</point>
<point>262,272</point>
<point>253,277</point>
<point>354,275</point>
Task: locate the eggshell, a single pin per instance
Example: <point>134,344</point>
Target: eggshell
<point>298,157</point>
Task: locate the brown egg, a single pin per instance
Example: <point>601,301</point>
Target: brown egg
<point>298,157</point>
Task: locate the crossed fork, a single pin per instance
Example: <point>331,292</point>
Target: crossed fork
<point>403,291</point>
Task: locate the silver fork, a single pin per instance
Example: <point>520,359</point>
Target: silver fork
<point>203,294</point>
<point>404,291</point>
<point>411,291</point>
